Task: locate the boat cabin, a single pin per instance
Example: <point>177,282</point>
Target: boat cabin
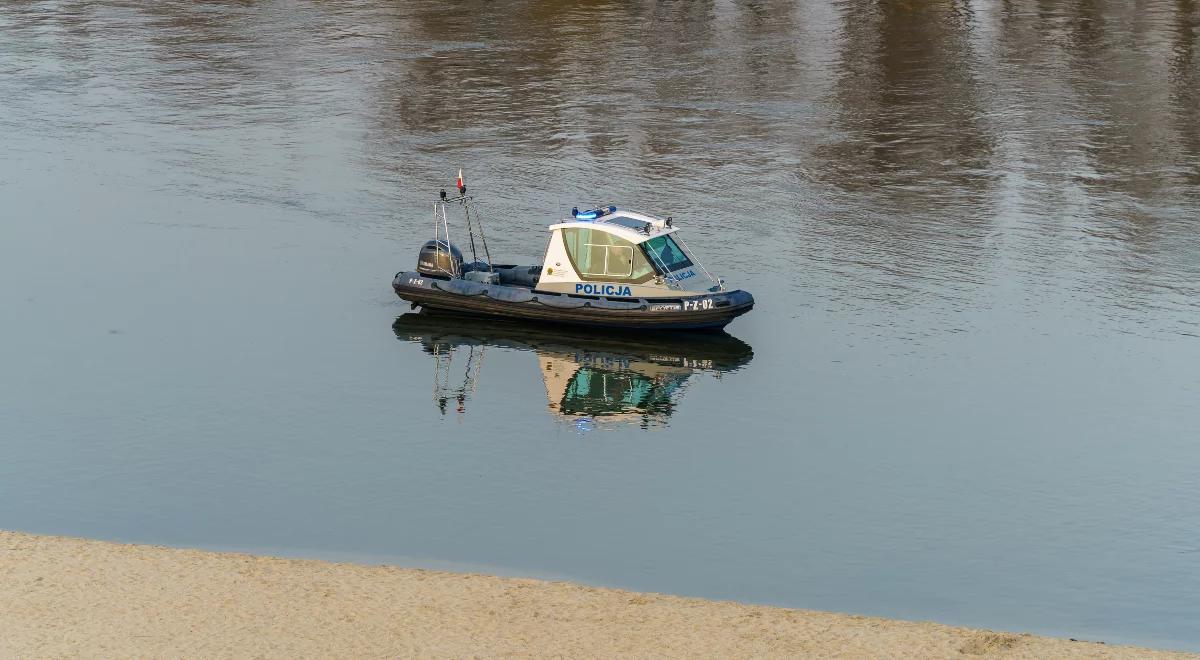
<point>620,254</point>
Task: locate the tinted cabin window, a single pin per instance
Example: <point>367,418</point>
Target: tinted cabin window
<point>665,254</point>
<point>601,256</point>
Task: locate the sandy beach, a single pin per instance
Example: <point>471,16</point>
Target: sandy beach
<point>65,597</point>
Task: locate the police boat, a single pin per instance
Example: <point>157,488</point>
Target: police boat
<point>605,267</point>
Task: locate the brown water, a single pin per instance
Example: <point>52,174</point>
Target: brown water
<point>969,391</point>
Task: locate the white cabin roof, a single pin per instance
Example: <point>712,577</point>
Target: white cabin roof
<point>624,223</point>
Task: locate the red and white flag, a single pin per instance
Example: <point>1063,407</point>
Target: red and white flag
<point>459,183</point>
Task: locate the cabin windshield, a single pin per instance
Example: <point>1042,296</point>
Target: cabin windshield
<point>664,253</point>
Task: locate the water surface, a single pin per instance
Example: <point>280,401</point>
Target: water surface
<point>968,392</point>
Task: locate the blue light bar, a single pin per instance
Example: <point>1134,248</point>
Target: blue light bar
<point>592,214</point>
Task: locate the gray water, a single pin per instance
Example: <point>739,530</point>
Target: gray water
<point>969,391</point>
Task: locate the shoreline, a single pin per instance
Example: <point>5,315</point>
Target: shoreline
<point>62,596</point>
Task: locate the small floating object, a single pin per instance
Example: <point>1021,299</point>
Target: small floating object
<point>604,267</point>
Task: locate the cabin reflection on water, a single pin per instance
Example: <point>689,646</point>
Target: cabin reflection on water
<point>591,380</point>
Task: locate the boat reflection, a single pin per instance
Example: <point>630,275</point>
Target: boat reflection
<point>591,380</point>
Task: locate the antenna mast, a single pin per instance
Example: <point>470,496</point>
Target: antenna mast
<point>474,222</point>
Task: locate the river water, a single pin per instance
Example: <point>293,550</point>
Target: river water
<point>970,391</point>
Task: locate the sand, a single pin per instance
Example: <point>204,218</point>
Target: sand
<point>64,597</point>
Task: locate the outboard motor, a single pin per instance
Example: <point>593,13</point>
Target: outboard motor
<point>440,259</point>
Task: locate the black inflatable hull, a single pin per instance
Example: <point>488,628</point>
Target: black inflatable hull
<point>711,311</point>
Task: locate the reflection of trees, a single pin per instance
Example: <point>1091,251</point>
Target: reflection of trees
<point>908,102</point>
<point>918,138</point>
<point>725,67</point>
<point>1100,113</point>
<point>210,62</point>
<point>1097,69</point>
<point>1130,139</point>
<point>507,93</point>
<point>660,87</point>
<point>1185,85</point>
<point>471,64</point>
<point>911,138</point>
<point>27,29</point>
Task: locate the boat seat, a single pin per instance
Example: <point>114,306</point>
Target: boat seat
<point>520,275</point>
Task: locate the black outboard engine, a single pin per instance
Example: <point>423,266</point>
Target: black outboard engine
<point>440,259</point>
